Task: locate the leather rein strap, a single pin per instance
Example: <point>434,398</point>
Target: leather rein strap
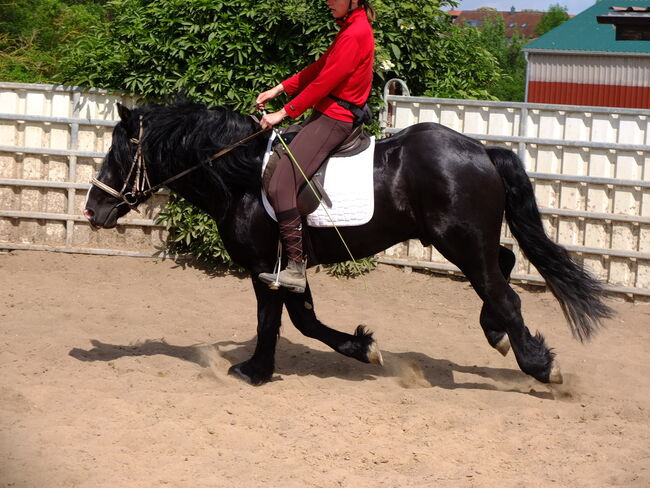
<point>141,186</point>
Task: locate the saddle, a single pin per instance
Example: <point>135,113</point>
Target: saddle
<point>307,202</point>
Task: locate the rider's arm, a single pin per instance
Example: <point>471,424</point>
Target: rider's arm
<point>300,81</point>
<point>338,63</point>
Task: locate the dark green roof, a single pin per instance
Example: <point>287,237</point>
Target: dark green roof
<point>584,33</point>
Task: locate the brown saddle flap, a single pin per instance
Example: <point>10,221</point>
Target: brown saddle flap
<point>309,197</point>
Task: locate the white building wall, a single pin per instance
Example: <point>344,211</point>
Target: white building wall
<point>593,69</point>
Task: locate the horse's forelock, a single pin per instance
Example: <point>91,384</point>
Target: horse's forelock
<point>119,155</point>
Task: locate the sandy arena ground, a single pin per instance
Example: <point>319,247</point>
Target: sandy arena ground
<point>114,375</point>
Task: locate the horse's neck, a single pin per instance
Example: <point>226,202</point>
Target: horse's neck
<point>199,188</point>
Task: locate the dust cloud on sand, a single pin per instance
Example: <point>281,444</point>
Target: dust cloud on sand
<point>114,373</point>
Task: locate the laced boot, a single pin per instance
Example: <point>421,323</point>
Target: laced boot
<point>293,276</point>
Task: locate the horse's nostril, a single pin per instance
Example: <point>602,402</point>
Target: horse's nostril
<point>89,214</point>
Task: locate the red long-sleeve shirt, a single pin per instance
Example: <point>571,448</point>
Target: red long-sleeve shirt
<point>344,70</point>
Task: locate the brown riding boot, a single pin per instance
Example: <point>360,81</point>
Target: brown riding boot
<point>293,276</point>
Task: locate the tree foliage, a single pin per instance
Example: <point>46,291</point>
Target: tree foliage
<point>555,15</point>
<point>511,85</point>
<point>227,51</point>
<point>415,41</point>
<point>35,33</point>
<point>192,231</point>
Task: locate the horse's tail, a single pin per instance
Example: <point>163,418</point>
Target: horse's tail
<point>579,293</point>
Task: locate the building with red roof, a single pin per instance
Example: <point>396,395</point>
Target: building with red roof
<point>523,22</point>
<point>585,61</point>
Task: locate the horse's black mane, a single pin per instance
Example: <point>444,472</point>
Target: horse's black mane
<point>179,136</point>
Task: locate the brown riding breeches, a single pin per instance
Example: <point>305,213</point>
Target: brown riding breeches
<point>317,138</point>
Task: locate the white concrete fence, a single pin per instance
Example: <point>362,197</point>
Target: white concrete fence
<point>590,168</point>
<point>52,141</point>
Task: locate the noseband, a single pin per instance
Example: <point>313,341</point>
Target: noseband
<point>141,186</point>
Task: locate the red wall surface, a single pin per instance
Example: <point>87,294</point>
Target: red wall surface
<point>589,94</point>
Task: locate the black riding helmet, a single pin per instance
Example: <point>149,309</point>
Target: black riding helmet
<point>361,3</point>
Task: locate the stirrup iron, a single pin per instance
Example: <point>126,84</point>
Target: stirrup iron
<point>275,285</point>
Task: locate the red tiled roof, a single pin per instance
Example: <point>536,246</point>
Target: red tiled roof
<point>524,22</point>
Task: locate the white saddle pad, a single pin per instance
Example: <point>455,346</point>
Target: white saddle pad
<point>349,185</point>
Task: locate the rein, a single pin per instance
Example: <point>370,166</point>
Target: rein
<point>141,186</point>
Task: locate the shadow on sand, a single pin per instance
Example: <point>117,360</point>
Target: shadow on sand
<point>411,369</point>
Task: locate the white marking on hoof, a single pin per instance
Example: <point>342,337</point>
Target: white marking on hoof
<point>374,355</point>
<point>556,374</point>
<point>503,346</point>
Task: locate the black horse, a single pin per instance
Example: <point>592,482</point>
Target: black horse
<point>430,182</point>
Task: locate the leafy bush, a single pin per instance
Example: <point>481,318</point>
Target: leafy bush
<point>34,34</point>
<point>352,269</point>
<point>511,84</point>
<point>227,51</point>
<point>217,52</point>
<point>416,42</point>
<point>192,231</point>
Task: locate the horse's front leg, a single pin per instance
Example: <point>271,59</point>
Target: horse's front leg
<point>259,368</point>
<point>359,345</point>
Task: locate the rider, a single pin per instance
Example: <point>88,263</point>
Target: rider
<point>341,77</point>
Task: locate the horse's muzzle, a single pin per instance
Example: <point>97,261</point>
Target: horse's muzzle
<point>90,216</point>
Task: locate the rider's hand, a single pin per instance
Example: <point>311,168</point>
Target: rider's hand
<point>269,120</point>
<point>264,97</point>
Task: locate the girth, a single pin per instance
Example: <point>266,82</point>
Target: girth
<point>307,202</point>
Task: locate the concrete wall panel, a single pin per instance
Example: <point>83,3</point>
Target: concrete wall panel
<point>42,148</point>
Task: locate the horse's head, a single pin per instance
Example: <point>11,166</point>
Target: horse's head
<point>122,182</point>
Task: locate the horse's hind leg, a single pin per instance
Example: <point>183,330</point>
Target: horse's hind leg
<point>493,329</point>
<point>502,306</point>
<point>359,345</point>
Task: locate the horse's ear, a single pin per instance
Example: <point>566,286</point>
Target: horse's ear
<point>124,113</point>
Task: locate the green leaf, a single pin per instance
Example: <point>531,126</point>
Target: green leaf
<point>396,51</point>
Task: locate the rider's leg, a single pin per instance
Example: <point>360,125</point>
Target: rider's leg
<point>293,276</point>
<point>319,136</point>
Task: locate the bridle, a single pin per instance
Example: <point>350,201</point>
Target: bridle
<point>141,187</point>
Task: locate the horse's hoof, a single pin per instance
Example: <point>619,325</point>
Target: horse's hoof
<point>244,372</point>
<point>503,346</point>
<point>374,354</point>
<point>555,375</point>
